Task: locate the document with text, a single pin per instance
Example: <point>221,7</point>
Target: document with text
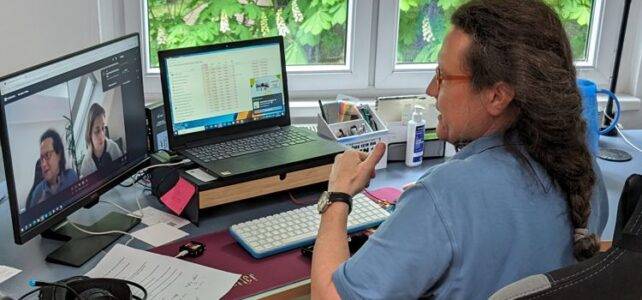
<point>164,277</point>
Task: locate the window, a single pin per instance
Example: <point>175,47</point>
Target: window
<point>333,42</point>
<point>423,24</point>
<point>315,32</point>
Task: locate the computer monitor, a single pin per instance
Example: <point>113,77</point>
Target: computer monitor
<point>72,128</point>
<point>221,89</point>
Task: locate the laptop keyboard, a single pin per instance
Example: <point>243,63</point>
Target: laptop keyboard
<point>248,145</point>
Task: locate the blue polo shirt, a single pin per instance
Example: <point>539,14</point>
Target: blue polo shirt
<point>467,228</point>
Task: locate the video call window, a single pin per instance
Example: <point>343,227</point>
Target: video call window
<point>72,126</point>
<point>77,130</point>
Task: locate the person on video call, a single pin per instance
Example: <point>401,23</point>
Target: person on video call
<point>522,196</point>
<point>55,176</point>
<point>101,151</point>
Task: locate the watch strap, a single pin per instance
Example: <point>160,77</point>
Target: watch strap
<point>341,197</point>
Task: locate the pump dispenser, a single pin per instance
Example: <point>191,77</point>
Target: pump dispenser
<point>415,138</point>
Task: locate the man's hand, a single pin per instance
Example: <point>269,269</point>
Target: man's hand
<point>353,170</point>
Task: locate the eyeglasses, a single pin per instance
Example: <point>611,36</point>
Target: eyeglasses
<point>441,77</point>
<point>47,155</point>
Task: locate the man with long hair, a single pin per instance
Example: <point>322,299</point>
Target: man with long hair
<point>54,173</point>
<point>522,196</point>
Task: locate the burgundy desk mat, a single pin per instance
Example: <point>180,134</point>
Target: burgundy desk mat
<point>258,275</point>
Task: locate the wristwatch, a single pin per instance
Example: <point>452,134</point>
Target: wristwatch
<point>328,198</point>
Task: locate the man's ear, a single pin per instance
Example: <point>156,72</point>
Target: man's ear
<point>498,98</point>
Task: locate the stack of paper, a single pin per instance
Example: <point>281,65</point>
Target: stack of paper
<point>164,277</point>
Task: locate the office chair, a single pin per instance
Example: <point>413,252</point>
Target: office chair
<point>614,274</point>
<point>37,178</point>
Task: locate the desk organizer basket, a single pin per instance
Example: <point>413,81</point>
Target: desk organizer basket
<point>363,142</point>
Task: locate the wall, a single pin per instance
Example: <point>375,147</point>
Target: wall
<point>34,31</point>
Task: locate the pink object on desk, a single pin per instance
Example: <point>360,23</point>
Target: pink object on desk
<point>178,197</point>
<point>387,194</point>
<point>258,275</point>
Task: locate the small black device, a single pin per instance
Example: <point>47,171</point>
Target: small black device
<point>354,244</point>
<point>227,108</point>
<point>156,127</point>
<point>192,249</point>
<point>86,288</point>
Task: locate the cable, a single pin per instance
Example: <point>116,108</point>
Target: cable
<point>143,173</point>
<point>103,232</point>
<point>181,254</point>
<point>41,284</point>
<point>619,128</point>
<point>140,208</point>
<point>182,162</point>
<point>297,202</point>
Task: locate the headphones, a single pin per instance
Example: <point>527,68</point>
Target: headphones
<point>86,288</point>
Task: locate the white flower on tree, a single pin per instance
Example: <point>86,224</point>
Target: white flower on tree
<point>426,30</point>
<point>296,12</point>
<point>225,23</point>
<point>239,17</point>
<point>280,23</point>
<point>161,36</point>
<point>264,25</point>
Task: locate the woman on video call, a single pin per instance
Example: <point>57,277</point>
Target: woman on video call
<point>101,151</point>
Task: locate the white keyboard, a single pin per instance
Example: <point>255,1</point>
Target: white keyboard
<point>299,227</point>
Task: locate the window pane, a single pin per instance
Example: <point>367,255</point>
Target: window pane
<point>315,31</point>
<point>424,23</point>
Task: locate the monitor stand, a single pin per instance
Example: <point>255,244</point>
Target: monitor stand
<point>80,246</point>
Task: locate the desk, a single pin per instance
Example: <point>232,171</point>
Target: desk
<point>30,257</point>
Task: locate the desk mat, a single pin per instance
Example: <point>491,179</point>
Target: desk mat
<point>259,275</point>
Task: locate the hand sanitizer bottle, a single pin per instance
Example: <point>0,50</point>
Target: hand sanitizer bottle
<point>415,138</point>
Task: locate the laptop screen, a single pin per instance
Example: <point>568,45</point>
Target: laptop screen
<point>219,88</point>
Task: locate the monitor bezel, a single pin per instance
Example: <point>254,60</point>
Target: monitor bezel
<point>179,142</point>
<point>125,171</point>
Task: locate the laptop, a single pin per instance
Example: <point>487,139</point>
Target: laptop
<point>226,107</point>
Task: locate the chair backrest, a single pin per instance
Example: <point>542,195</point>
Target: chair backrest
<point>37,178</point>
<point>616,273</point>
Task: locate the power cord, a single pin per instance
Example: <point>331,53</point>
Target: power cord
<point>140,208</point>
<point>619,128</point>
<point>103,232</point>
<point>144,174</point>
<point>181,254</point>
<point>129,212</point>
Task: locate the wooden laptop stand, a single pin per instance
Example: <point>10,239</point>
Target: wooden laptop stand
<point>222,191</point>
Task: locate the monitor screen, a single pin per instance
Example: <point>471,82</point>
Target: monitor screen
<point>70,127</point>
<point>217,88</point>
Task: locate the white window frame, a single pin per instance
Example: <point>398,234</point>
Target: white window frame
<point>352,75</point>
<point>597,67</point>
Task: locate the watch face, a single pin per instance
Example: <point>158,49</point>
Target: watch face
<point>323,202</point>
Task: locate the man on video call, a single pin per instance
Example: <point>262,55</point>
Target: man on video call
<point>55,177</point>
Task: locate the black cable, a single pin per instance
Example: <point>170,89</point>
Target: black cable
<point>47,284</point>
<point>616,67</point>
<point>29,294</point>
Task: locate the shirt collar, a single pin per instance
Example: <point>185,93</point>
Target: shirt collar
<point>497,140</point>
<point>480,145</point>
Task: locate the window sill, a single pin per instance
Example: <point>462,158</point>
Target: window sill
<point>305,111</point>
<point>628,102</point>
